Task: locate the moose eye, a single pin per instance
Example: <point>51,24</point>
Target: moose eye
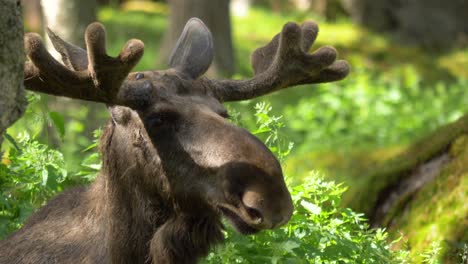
<point>225,115</point>
<point>161,118</point>
<point>139,76</point>
<point>155,121</point>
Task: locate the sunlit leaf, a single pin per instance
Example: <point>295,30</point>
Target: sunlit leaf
<point>59,122</point>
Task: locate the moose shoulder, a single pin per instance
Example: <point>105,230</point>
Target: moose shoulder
<point>172,164</point>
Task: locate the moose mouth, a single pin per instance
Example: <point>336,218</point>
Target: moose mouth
<point>237,222</point>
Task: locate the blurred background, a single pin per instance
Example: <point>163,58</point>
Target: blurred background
<point>383,131</point>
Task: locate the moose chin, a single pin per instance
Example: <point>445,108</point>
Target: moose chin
<point>173,164</point>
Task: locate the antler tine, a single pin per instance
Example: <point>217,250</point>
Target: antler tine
<point>105,70</point>
<point>100,81</point>
<point>285,62</point>
<point>74,57</point>
<point>44,73</point>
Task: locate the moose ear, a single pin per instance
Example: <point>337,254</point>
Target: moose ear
<point>193,53</point>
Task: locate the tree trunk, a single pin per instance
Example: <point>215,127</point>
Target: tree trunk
<point>433,24</point>
<point>215,14</point>
<point>12,100</point>
<point>69,18</point>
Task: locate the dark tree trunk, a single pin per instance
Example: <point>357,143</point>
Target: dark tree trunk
<point>215,14</point>
<point>12,100</point>
<point>433,24</point>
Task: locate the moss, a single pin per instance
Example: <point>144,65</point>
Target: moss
<point>439,211</point>
<point>455,62</point>
<point>390,172</point>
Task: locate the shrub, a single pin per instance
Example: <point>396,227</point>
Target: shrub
<point>30,175</point>
<point>319,232</point>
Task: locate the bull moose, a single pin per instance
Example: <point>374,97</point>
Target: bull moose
<point>173,165</point>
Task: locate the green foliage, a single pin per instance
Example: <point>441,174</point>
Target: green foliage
<point>320,231</point>
<point>463,253</point>
<point>63,124</point>
<point>59,122</point>
<point>269,129</point>
<point>91,164</point>
<point>122,26</point>
<point>357,112</point>
<point>432,255</point>
<point>30,175</point>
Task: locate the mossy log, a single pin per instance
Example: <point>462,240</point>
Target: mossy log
<point>423,193</point>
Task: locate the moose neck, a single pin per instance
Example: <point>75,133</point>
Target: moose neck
<point>132,212</point>
<point>146,219</point>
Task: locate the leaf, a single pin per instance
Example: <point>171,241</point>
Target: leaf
<point>289,245</point>
<point>58,121</point>
<point>311,207</point>
<point>12,141</point>
<point>45,176</point>
<point>90,147</point>
<point>94,166</point>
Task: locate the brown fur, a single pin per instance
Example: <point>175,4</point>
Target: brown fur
<point>117,219</point>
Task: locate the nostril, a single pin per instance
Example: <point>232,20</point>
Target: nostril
<point>255,214</point>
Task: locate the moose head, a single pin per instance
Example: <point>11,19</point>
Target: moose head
<point>169,137</point>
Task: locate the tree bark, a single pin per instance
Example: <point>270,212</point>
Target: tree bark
<point>12,99</point>
<point>215,14</point>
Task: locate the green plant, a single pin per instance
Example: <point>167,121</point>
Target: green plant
<point>370,111</point>
<point>432,254</point>
<point>30,174</point>
<point>463,253</point>
<point>91,164</point>
<point>269,129</point>
<point>319,232</point>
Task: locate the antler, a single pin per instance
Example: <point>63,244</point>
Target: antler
<point>91,75</point>
<point>285,62</point>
